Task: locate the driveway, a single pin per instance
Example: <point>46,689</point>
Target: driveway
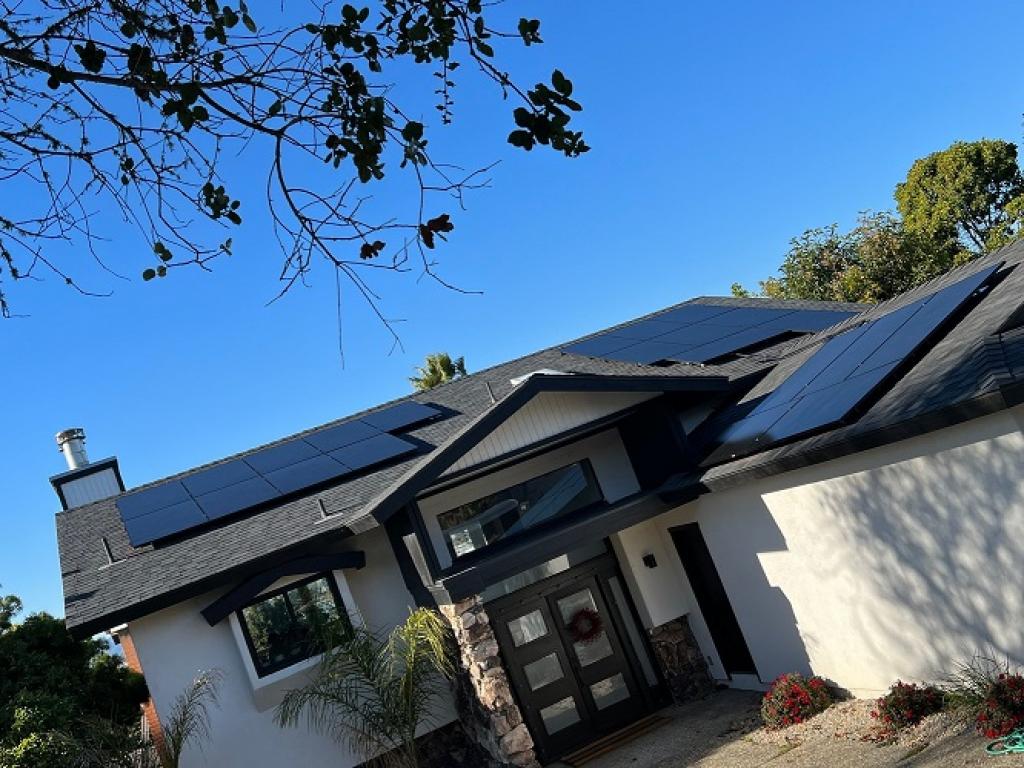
<point>722,731</point>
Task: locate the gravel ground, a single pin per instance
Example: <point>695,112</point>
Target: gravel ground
<point>723,731</point>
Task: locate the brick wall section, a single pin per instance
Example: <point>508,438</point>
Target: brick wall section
<point>681,661</point>
<point>487,710</point>
<point>131,658</point>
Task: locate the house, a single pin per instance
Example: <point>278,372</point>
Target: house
<point>719,492</point>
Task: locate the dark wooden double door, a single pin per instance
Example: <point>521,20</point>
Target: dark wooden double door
<point>566,651</point>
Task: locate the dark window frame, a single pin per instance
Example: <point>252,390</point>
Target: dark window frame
<point>265,670</point>
<point>592,482</point>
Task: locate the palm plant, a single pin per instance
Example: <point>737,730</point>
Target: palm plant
<point>437,369</point>
<point>372,692</point>
<point>189,720</point>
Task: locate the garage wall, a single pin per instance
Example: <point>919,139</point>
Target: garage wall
<point>892,563</point>
<point>175,644</point>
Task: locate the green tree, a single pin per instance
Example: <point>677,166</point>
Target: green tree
<point>372,693</point>
<point>64,702</point>
<point>10,606</point>
<point>875,261</point>
<point>437,369</point>
<point>134,106</point>
<point>969,195</point>
<point>953,206</point>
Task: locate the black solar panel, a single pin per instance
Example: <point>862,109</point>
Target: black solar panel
<point>163,522</point>
<point>366,453</point>
<point>307,473</point>
<point>219,476</point>
<point>233,486</point>
<point>401,416</point>
<point>846,370</point>
<point>699,333</point>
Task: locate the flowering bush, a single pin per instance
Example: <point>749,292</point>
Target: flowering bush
<point>906,704</point>
<point>792,698</point>
<point>1003,708</point>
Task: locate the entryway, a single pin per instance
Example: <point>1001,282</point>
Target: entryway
<point>566,649</point>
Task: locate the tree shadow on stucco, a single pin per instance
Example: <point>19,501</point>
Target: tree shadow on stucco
<point>763,611</point>
<point>941,548</point>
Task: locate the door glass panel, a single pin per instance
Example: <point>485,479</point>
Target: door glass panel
<point>585,626</point>
<point>543,671</point>
<point>560,715</point>
<point>527,628</point>
<point>609,691</point>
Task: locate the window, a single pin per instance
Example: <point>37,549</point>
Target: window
<point>474,525</point>
<point>294,623</point>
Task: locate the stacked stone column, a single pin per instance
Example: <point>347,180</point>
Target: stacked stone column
<point>682,663</point>
<point>487,709</point>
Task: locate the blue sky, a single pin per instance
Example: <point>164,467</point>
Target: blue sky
<point>719,131</point>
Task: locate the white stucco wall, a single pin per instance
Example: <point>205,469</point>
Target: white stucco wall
<point>173,645</point>
<point>892,563</point>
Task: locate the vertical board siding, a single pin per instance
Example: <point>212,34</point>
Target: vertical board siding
<point>546,415</point>
<point>99,485</point>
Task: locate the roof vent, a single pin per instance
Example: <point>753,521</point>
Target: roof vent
<point>71,442</point>
<point>543,372</point>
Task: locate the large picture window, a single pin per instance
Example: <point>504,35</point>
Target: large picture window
<point>472,526</point>
<point>293,623</point>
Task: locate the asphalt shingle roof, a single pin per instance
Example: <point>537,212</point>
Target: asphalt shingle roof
<point>972,360</point>
<point>97,591</point>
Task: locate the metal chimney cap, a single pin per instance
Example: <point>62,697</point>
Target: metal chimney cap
<point>66,435</point>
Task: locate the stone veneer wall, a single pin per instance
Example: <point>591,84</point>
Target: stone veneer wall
<point>489,714</point>
<point>681,661</point>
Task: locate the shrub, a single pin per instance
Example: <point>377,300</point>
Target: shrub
<point>989,692</point>
<point>906,704</point>
<point>1003,708</point>
<point>793,698</point>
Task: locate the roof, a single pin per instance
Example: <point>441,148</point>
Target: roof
<point>974,369</point>
<point>99,594</point>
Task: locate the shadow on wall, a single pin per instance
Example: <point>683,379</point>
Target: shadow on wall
<point>737,538</point>
<point>939,548</point>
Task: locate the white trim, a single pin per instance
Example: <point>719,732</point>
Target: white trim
<point>268,690</point>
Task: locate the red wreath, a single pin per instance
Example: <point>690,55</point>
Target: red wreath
<point>585,626</point>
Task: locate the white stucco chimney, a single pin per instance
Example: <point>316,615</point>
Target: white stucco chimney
<point>71,442</point>
<point>84,481</point>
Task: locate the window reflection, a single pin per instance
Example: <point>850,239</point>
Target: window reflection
<point>472,526</point>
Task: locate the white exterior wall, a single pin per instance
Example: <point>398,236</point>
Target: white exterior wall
<point>607,456</point>
<point>892,563</point>
<point>175,644</point>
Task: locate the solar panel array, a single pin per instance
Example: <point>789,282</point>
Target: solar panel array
<point>233,486</point>
<point>699,333</point>
<point>845,371</point>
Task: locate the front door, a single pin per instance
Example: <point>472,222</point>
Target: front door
<point>562,642</point>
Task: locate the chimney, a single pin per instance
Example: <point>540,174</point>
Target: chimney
<point>85,481</point>
<point>71,442</point>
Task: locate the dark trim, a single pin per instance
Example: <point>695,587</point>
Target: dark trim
<point>420,476</point>
<point>397,527</point>
<point>423,537</point>
<point>58,481</point>
<point>553,541</point>
<point>339,604</point>
<point>244,593</point>
<point>105,621</point>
